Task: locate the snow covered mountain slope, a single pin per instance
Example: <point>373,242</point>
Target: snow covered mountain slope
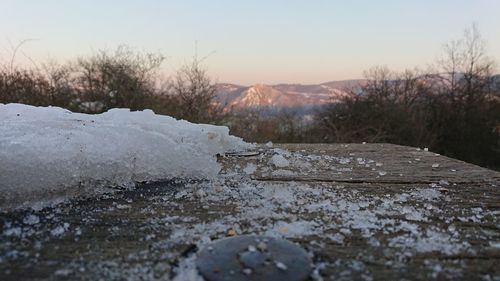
<point>283,95</point>
<point>48,153</point>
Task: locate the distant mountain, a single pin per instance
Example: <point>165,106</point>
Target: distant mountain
<point>235,97</point>
<point>294,96</point>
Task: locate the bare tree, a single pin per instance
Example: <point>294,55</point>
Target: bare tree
<point>195,92</point>
<point>123,78</point>
<point>466,111</point>
<point>466,69</point>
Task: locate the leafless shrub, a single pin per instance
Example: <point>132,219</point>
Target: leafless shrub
<point>123,78</point>
<point>194,91</point>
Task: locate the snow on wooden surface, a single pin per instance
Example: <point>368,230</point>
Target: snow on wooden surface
<point>363,211</point>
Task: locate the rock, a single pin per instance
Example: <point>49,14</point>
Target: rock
<point>245,257</point>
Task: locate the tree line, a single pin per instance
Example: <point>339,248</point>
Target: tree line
<point>453,108</point>
<point>110,79</point>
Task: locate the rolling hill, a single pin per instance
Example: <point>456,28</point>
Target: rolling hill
<point>235,97</point>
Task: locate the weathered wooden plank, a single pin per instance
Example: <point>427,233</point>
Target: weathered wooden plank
<point>428,223</point>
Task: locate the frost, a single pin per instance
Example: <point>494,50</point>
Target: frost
<point>48,154</point>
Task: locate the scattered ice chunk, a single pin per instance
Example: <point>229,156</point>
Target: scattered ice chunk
<point>427,194</point>
<point>14,231</point>
<point>337,238</point>
<point>59,230</point>
<point>452,228</point>
<point>344,160</point>
<point>373,242</point>
<point>200,193</point>
<point>444,182</point>
<point>346,231</point>
<point>31,219</point>
<point>495,244</point>
<point>281,266</point>
<point>63,272</point>
<point>293,229</point>
<point>382,173</point>
<point>431,241</point>
<point>279,161</point>
<point>123,206</point>
<point>262,246</point>
<point>250,169</point>
<point>435,165</point>
<point>186,270</point>
<point>477,209</point>
<point>415,215</point>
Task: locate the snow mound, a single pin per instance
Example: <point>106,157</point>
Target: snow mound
<point>49,153</point>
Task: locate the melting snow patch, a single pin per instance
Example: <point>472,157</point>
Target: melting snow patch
<point>49,153</point>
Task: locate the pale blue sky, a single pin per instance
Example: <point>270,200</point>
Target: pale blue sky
<point>258,41</point>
